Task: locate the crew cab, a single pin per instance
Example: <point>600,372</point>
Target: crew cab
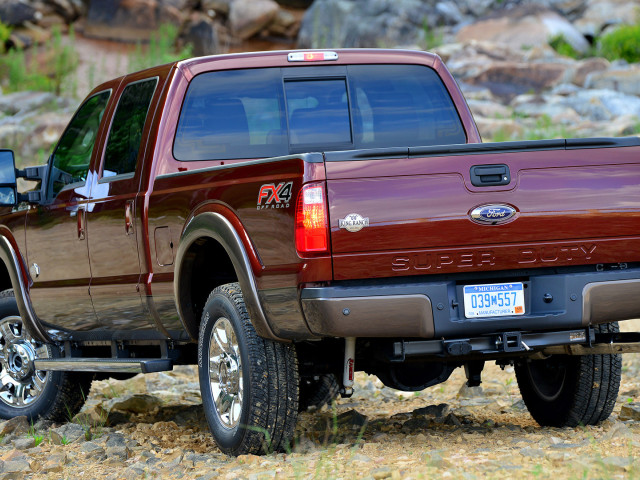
<point>284,219</point>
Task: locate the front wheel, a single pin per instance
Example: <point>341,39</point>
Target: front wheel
<point>567,391</point>
<point>55,396</point>
<point>249,385</point>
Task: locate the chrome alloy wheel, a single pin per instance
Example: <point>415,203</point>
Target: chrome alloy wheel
<point>225,373</point>
<point>20,383</point>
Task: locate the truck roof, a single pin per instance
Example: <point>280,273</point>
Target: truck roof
<point>280,58</point>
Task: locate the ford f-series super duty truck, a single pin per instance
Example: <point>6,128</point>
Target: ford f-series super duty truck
<point>284,219</point>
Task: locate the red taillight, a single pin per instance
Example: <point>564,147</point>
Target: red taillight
<point>312,220</point>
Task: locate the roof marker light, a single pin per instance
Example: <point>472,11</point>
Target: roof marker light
<point>312,56</point>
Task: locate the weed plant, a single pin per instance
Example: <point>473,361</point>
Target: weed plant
<point>161,50</point>
<point>50,71</point>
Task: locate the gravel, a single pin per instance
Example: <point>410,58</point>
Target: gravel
<point>447,431</point>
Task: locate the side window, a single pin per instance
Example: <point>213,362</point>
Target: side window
<point>232,114</point>
<point>70,162</point>
<point>125,136</point>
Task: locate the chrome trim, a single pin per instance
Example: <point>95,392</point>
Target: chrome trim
<point>31,321</point>
<point>125,365</point>
<point>611,301</point>
<point>372,316</point>
<point>215,226</point>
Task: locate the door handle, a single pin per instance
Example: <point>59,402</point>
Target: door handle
<point>128,217</point>
<point>490,175</point>
<point>80,215</point>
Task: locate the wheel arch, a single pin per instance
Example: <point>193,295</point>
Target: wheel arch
<point>13,274</point>
<point>211,240</point>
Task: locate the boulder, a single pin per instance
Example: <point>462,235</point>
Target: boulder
<point>248,17</point>
<point>216,6</point>
<point>552,106</point>
<point>284,24</point>
<point>489,109</point>
<point>601,13</point>
<point>507,79</point>
<point>380,23</point>
<point>17,12</point>
<point>588,66</point>
<point>201,33</point>
<point>67,9</point>
<point>502,129</point>
<point>130,20</point>
<point>625,80</point>
<point>603,105</point>
<point>524,27</point>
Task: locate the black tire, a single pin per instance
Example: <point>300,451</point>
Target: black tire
<point>62,394</point>
<point>568,391</point>
<point>264,384</point>
<point>316,392</point>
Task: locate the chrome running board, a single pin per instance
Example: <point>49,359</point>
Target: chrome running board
<point>115,365</point>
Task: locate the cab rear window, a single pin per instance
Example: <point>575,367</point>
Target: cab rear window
<point>262,113</point>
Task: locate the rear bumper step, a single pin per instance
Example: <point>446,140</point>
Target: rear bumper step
<point>113,365</point>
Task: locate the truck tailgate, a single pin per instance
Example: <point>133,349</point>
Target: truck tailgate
<point>571,206</point>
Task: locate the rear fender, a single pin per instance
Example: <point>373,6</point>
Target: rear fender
<point>220,224</point>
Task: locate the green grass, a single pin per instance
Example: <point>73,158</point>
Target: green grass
<point>49,69</point>
<point>622,43</point>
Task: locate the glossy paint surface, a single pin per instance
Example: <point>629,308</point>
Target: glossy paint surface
<point>572,209</point>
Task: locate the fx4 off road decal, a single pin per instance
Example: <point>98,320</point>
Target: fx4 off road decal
<point>275,196</point>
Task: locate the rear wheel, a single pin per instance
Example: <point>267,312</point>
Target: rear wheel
<point>318,391</point>
<point>249,384</point>
<point>567,391</point>
<point>55,396</point>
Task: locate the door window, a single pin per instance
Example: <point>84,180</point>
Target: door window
<point>71,158</point>
<point>125,137</point>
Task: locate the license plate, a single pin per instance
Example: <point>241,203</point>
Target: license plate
<point>493,300</point>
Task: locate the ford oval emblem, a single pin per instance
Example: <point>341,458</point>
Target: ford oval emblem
<point>492,214</point>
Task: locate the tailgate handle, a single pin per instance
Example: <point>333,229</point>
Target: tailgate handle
<point>490,175</point>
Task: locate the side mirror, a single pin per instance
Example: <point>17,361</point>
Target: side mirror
<point>8,196</point>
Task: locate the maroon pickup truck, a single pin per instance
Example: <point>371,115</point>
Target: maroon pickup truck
<point>287,218</point>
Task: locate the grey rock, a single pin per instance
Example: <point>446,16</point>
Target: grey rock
<point>352,419</point>
<point>524,26</point>
<point>17,12</point>
<point>116,440</point>
<point>626,80</point>
<point>24,443</point>
<point>602,13</point>
<point>248,17</point>
<point>132,21</point>
<point>620,463</point>
<point>619,430</point>
<point>120,452</point>
<point>532,452</point>
<point>630,411</point>
<point>202,34</point>
<point>603,105</point>
<point>15,425</point>
<point>135,403</point>
<point>366,23</point>
<point>18,465</point>
<point>381,473</point>
<point>470,392</point>
<point>438,411</point>
<point>22,102</point>
<point>68,433</point>
<point>92,450</point>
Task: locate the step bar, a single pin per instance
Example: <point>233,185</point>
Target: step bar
<point>111,365</point>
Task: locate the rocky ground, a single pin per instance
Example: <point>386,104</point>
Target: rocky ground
<point>153,427</point>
